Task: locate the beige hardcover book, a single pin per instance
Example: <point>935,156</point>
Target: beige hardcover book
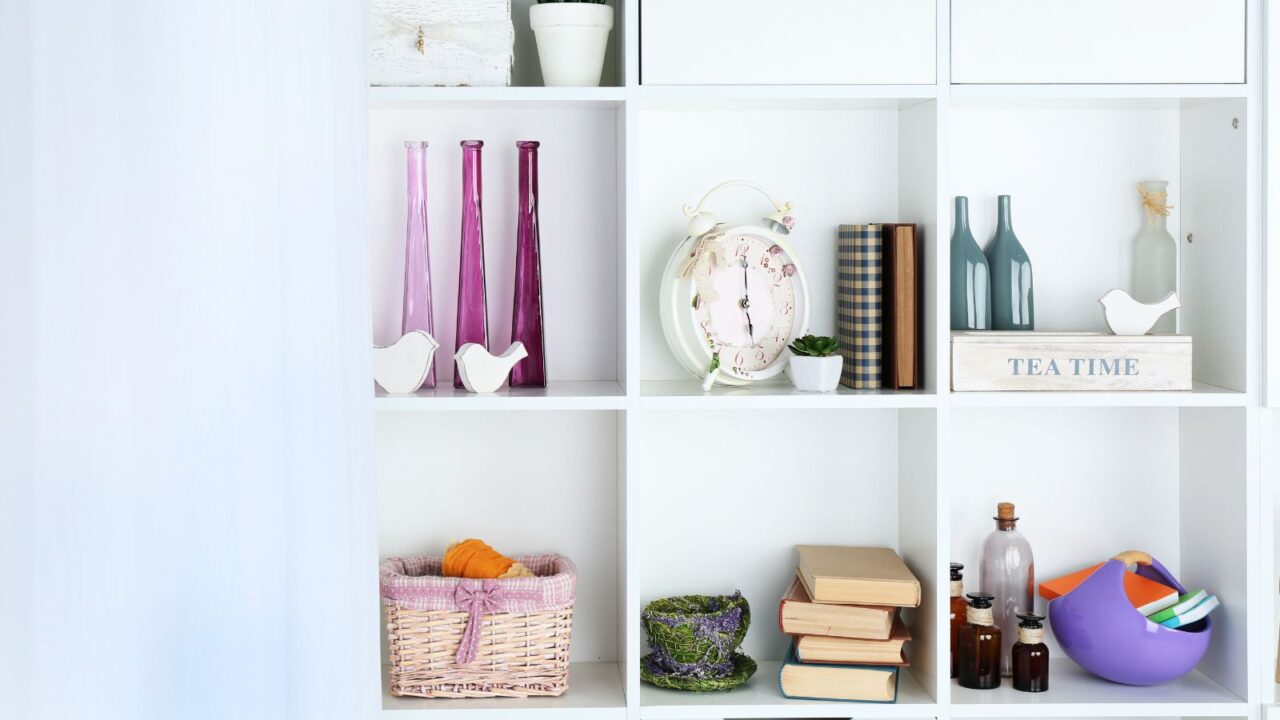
<point>857,576</point>
<point>835,682</point>
<point>823,649</point>
<point>799,615</point>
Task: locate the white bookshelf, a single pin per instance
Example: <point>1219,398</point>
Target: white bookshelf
<point>609,464</point>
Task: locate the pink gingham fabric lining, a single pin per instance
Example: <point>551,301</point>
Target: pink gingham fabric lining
<point>415,583</point>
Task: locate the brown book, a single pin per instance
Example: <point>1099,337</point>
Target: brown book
<point>857,576</point>
<point>838,682</point>
<point>901,306</point>
<point>842,650</point>
<point>798,615</point>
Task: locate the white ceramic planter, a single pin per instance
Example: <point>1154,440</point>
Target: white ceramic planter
<point>571,41</point>
<point>815,374</point>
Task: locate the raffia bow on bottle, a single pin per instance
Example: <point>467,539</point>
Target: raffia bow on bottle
<point>710,249</point>
<point>1155,203</point>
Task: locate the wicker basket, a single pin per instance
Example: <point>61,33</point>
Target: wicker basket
<point>458,638</point>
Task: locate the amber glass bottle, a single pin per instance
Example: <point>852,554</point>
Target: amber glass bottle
<point>958,609</point>
<point>978,646</point>
<point>1030,655</point>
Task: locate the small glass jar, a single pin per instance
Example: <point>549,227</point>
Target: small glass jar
<point>959,608</point>
<point>978,646</point>
<point>1030,655</point>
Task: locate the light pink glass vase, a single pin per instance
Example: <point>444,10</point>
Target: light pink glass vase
<point>473,323</point>
<point>416,313</point>
<point>526,311</point>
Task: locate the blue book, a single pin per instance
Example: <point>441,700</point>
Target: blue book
<point>847,683</point>
<point>860,304</point>
<point>1199,612</point>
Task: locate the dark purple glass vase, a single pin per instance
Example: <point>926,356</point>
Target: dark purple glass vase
<point>416,311</point>
<point>526,311</point>
<point>473,323</point>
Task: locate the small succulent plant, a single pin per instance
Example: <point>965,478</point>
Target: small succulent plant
<point>815,346</point>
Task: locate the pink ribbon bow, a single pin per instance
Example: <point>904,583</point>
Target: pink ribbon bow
<point>476,598</point>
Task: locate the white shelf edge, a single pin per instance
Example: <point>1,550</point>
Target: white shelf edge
<point>1099,91</point>
<point>380,97</point>
<point>1201,395</point>
<point>598,688</point>
<point>761,698</point>
<point>787,92</point>
<point>572,395</point>
<point>688,395</point>
<point>1089,709</point>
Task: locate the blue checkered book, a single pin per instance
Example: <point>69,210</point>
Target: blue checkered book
<point>860,305</point>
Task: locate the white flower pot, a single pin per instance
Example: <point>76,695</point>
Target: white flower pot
<point>815,374</point>
<point>571,41</point>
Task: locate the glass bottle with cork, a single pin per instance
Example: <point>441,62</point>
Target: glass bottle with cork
<point>978,646</point>
<point>958,609</point>
<point>1030,655</point>
<point>1008,574</point>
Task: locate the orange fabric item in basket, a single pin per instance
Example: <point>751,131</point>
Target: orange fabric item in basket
<point>473,558</point>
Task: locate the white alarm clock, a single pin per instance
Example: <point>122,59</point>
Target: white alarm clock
<point>734,297</point>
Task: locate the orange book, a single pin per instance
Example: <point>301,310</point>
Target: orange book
<point>1147,595</point>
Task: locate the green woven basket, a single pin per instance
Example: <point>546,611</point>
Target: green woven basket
<point>743,668</point>
<point>702,629</point>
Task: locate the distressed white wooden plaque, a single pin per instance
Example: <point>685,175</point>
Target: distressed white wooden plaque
<point>441,43</point>
<point>1003,361</point>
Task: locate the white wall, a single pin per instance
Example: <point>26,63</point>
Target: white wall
<point>185,442</point>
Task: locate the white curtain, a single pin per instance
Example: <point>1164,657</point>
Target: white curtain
<point>186,491</point>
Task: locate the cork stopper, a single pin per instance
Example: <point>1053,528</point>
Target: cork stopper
<point>1004,511</point>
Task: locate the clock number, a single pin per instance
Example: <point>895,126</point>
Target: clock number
<point>738,360</point>
<point>764,261</point>
<point>760,355</point>
<point>743,249</point>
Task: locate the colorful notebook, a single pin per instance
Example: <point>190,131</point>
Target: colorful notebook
<point>1147,595</point>
<point>1195,614</point>
<point>850,683</point>
<point>1185,603</point>
<point>859,304</point>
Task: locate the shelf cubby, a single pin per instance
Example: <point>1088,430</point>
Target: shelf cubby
<point>724,508</point>
<point>1072,166</point>
<point>1168,481</point>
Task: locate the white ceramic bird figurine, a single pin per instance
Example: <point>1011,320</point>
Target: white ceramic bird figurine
<point>1126,316</point>
<point>401,367</point>
<point>484,373</point>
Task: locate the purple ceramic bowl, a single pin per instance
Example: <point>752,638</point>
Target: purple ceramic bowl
<point>1099,628</point>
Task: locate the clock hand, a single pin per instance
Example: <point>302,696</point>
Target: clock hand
<point>746,303</point>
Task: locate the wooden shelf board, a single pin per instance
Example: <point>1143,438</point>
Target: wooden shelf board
<point>572,395</point>
<point>761,698</point>
<point>1074,692</point>
<point>688,395</point>
<point>595,693</point>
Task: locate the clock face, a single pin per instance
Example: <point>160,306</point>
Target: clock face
<point>744,303</point>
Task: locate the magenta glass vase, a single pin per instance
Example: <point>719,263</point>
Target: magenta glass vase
<point>526,311</point>
<point>416,311</point>
<point>473,323</point>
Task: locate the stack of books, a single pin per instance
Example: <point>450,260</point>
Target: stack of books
<point>878,305</point>
<point>1159,602</point>
<point>842,613</point>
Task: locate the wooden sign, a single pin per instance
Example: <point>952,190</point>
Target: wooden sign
<point>1002,361</point>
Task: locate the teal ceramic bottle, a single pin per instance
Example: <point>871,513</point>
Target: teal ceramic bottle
<point>970,276</point>
<point>1013,302</point>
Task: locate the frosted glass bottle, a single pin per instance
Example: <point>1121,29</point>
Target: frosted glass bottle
<point>1155,253</point>
<point>1007,574</point>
